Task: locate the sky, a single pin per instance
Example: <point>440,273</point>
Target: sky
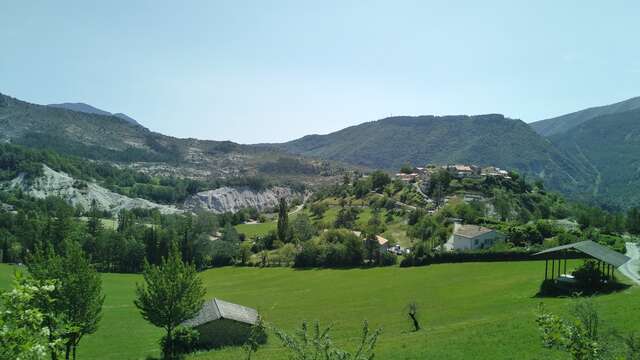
<point>273,71</point>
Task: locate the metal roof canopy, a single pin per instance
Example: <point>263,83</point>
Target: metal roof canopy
<point>594,250</point>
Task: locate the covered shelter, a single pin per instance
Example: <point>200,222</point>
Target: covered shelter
<point>607,260</point>
<point>221,323</point>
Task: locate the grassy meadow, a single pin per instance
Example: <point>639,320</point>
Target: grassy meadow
<point>468,311</point>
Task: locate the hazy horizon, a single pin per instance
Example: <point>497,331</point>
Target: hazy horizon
<point>254,72</point>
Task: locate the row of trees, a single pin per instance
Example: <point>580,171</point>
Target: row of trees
<point>120,245</point>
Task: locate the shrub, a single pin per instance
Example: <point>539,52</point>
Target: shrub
<point>588,278</point>
<point>419,258</point>
<point>184,340</point>
<point>387,259</point>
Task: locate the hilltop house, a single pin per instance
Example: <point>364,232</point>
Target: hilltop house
<point>462,171</point>
<point>221,323</point>
<point>407,178</point>
<point>471,237</point>
<point>495,171</point>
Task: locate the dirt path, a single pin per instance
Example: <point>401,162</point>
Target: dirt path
<point>630,268</point>
<point>296,210</point>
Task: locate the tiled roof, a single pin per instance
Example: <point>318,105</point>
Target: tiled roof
<point>471,231</point>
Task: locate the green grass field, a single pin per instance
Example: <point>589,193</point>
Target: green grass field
<point>469,311</point>
<point>253,230</point>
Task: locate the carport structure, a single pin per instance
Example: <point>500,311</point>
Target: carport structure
<point>607,260</point>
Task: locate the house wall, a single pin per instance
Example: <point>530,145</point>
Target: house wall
<point>479,242</point>
<point>223,332</point>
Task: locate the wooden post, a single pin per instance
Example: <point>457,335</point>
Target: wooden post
<point>559,263</point>
<point>565,263</point>
<point>546,266</point>
<point>553,268</point>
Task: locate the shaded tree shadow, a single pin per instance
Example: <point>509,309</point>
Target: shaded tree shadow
<point>551,288</point>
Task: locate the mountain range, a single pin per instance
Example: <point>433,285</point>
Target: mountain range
<point>86,132</point>
<point>483,140</point>
<point>589,155</point>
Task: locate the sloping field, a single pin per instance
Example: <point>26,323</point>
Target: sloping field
<point>469,311</point>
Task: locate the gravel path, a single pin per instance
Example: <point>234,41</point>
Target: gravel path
<point>630,268</point>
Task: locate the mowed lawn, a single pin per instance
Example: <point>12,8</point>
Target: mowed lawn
<point>259,229</point>
<point>469,311</point>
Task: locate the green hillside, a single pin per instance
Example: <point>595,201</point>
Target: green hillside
<point>611,144</point>
<point>483,140</point>
<point>564,123</point>
<point>487,307</point>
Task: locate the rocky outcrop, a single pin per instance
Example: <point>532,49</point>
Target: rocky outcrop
<point>54,183</point>
<point>227,199</point>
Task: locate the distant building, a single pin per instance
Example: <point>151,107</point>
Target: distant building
<point>495,171</point>
<point>471,237</point>
<point>462,171</point>
<point>221,323</point>
<point>408,178</point>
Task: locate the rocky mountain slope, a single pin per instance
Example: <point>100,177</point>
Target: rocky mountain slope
<point>564,123</point>
<point>84,193</point>
<point>233,199</point>
<point>79,193</point>
<point>484,140</point>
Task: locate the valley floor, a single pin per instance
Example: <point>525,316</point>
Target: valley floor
<point>469,311</point>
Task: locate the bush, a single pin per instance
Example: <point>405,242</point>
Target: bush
<point>588,278</point>
<point>184,341</point>
<point>466,256</point>
<point>387,259</point>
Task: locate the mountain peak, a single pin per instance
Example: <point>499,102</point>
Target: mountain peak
<point>86,108</point>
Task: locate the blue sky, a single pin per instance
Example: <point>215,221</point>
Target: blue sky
<point>267,71</point>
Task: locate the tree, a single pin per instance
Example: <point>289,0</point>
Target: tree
<point>406,168</point>
<point>345,218</point>
<point>302,229</point>
<point>171,294</point>
<point>317,344</point>
<point>225,251</point>
<point>24,314</point>
<point>633,221</point>
<point>424,230</point>
<point>318,209</point>
<point>94,223</point>
<point>503,203</point>
<point>412,313</point>
<point>78,297</point>
<point>283,221</point>
<point>579,337</point>
<point>379,180</point>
